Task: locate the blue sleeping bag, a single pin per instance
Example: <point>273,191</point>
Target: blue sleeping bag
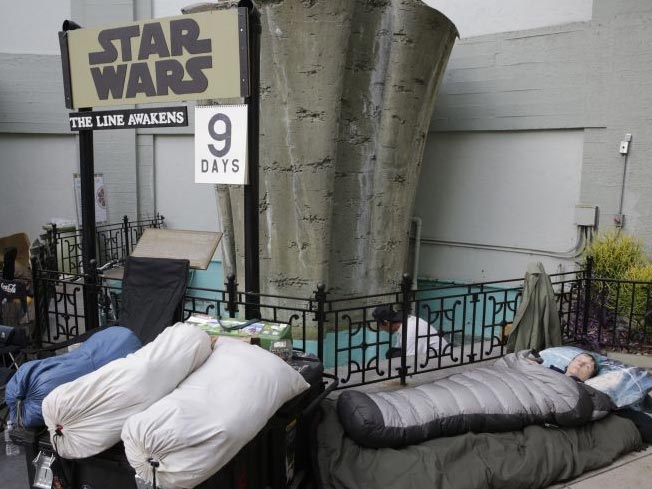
<point>36,379</point>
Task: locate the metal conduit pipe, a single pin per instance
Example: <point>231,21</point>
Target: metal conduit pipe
<point>579,247</point>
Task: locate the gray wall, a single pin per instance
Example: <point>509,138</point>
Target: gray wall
<point>185,204</point>
<point>589,76</point>
<point>486,189</point>
<point>31,103</point>
<point>36,181</point>
<point>479,17</point>
<point>40,154</point>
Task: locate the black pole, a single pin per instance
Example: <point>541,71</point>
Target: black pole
<point>53,240</point>
<point>232,299</point>
<point>38,300</point>
<point>125,227</point>
<point>320,297</point>
<point>406,302</point>
<point>87,180</point>
<point>588,276</point>
<point>251,238</point>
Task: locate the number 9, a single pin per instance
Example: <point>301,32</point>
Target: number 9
<point>224,136</point>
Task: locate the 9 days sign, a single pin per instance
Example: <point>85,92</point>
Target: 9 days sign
<point>221,144</point>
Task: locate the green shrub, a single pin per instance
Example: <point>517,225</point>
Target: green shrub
<point>635,299</point>
<point>621,256</point>
<point>614,254</point>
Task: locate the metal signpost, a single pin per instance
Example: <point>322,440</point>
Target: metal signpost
<point>205,55</point>
<point>251,211</point>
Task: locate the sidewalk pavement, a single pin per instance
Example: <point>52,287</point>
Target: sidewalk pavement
<point>13,470</point>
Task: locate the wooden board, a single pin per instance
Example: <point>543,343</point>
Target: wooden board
<point>116,273</point>
<point>196,246</point>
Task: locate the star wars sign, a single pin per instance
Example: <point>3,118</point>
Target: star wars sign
<point>189,57</point>
<point>221,144</point>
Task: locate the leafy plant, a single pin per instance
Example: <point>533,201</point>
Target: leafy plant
<point>635,298</point>
<point>620,258</point>
<point>614,253</point>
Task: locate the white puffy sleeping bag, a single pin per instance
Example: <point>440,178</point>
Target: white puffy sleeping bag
<point>85,417</point>
<point>213,414</point>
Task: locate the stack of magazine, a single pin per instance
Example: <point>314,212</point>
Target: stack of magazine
<point>267,332</point>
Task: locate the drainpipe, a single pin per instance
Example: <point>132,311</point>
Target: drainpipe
<point>417,249</point>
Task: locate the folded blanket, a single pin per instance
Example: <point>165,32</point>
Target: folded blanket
<point>508,395</point>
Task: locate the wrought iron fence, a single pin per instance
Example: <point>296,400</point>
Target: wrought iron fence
<point>451,325</point>
<point>113,242</point>
<point>615,314</point>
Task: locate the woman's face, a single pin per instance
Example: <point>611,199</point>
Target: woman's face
<point>582,367</point>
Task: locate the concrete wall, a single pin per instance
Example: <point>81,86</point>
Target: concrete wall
<point>36,181</point>
<point>472,17</point>
<point>479,17</point>
<point>184,204</point>
<point>31,102</point>
<point>38,154</point>
<point>168,8</point>
<point>31,26</point>
<point>590,75</point>
<point>509,189</point>
<point>619,94</point>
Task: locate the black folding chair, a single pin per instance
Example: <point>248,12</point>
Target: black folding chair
<point>152,299</point>
<point>152,295</point>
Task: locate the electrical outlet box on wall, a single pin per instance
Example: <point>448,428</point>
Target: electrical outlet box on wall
<point>586,215</point>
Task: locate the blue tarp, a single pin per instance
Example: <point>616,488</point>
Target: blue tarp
<point>36,379</point>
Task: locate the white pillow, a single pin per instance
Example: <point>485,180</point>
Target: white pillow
<point>215,412</point>
<point>89,412</point>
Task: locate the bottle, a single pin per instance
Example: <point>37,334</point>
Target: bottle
<point>11,449</point>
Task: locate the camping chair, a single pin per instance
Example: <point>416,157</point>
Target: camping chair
<point>13,341</point>
<point>152,299</point>
<point>152,295</point>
